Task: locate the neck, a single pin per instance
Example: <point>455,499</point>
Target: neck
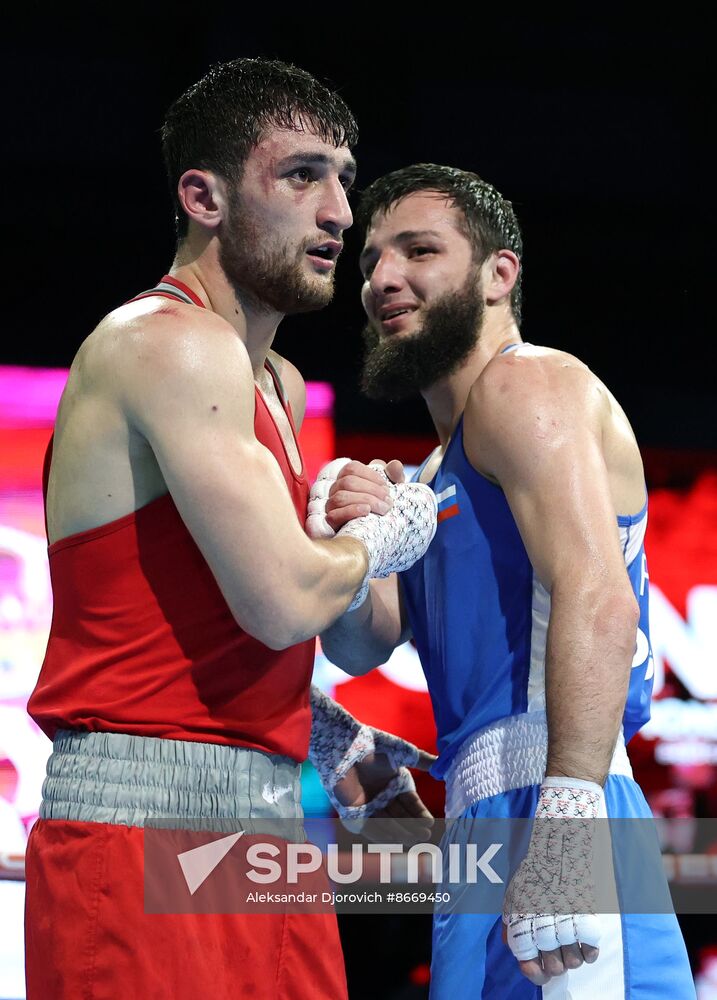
<point>203,273</point>
<point>446,400</point>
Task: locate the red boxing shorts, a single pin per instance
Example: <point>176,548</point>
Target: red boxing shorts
<point>88,937</point>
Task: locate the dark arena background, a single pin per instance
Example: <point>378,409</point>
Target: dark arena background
<point>596,127</point>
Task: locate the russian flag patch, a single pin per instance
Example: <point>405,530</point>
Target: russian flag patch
<point>447,504</point>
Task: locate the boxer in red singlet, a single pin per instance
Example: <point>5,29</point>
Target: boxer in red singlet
<point>187,595</point>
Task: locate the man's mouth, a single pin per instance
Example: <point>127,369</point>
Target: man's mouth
<point>327,251</point>
<point>391,317</point>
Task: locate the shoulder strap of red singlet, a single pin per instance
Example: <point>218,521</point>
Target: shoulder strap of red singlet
<point>171,288</point>
<point>285,402</point>
<point>272,369</point>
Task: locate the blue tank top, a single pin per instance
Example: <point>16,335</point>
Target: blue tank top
<point>479,614</point>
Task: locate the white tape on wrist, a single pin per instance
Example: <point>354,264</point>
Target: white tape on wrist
<point>396,540</point>
<point>550,900</point>
<point>354,817</point>
<point>339,742</point>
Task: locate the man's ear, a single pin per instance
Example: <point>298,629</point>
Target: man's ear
<point>500,273</point>
<point>202,196</point>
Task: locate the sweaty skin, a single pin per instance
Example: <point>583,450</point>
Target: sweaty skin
<point>161,398</point>
<point>541,426</point>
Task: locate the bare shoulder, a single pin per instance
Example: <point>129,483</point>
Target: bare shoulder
<point>171,335</point>
<point>154,345</point>
<point>149,380</point>
<point>146,328</point>
<point>530,400</point>
<point>293,383</point>
<point>529,381</point>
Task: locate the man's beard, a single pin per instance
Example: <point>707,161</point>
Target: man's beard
<point>267,278</point>
<point>402,366</point>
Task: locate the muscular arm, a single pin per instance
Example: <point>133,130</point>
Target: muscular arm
<point>363,639</point>
<point>190,393</point>
<point>535,427</point>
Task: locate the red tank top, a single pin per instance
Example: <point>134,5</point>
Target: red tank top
<point>143,642</point>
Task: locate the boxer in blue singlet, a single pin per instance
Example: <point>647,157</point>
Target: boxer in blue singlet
<point>526,607</point>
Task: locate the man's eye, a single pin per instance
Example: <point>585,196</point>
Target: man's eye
<point>302,174</point>
<point>420,251</point>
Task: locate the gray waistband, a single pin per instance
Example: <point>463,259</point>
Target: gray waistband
<point>141,781</point>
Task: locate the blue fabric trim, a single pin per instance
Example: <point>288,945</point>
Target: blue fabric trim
<point>627,520</point>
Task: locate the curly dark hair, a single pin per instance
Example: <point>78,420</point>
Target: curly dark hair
<point>490,222</point>
<point>216,123</point>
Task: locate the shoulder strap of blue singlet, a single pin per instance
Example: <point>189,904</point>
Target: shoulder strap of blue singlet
<point>417,474</point>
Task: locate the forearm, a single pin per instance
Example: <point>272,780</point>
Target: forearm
<point>313,593</point>
<point>363,639</point>
<point>591,642</point>
<point>350,643</point>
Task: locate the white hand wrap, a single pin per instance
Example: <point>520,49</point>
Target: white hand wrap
<point>316,524</point>
<point>338,742</point>
<point>394,541</point>
<point>551,898</point>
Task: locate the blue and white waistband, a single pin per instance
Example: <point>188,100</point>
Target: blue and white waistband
<point>507,754</point>
<point>138,780</point>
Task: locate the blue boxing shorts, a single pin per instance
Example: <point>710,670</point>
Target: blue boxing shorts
<point>642,955</point>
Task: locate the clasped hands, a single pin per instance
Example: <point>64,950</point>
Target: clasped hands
<point>347,489</point>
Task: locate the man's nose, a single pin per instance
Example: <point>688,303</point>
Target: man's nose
<point>386,275</point>
<point>335,213</point>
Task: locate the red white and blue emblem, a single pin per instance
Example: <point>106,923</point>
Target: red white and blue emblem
<point>447,504</point>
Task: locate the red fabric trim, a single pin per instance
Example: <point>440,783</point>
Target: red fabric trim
<point>286,406</point>
<point>184,288</point>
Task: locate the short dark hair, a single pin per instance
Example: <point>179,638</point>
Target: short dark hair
<point>216,123</point>
<point>490,222</point>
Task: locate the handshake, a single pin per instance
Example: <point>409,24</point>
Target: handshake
<point>394,520</point>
